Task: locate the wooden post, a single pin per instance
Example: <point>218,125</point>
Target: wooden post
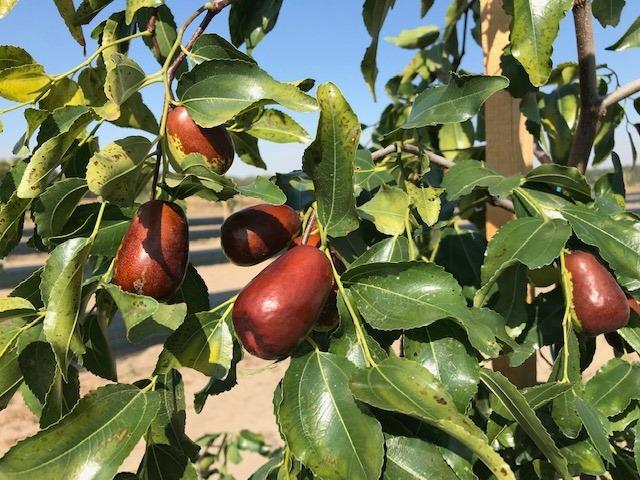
<point>509,146</point>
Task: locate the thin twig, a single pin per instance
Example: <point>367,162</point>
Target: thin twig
<point>458,60</point>
<point>540,154</point>
<point>156,173</point>
<point>311,223</point>
<point>621,93</point>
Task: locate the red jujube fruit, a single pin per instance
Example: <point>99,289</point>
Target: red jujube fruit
<point>152,258</point>
<point>253,234</point>
<point>275,311</point>
<point>184,136</point>
<point>599,303</point>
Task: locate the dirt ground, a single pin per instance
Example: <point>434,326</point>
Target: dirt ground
<point>248,405</point>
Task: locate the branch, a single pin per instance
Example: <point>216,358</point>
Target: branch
<point>440,161</point>
<point>213,8</point>
<point>590,101</point>
<point>540,154</point>
<point>620,94</point>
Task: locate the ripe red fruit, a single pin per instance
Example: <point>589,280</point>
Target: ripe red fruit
<point>152,258</point>
<point>184,136</point>
<point>252,235</point>
<point>600,304</point>
<point>275,311</point>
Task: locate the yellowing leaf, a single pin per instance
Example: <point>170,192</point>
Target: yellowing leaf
<point>426,201</point>
<point>23,83</point>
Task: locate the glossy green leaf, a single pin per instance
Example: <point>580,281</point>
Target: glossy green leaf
<point>461,253</point>
<point>217,90</point>
<point>403,386</point>
<point>211,46</point>
<point>276,126</point>
<point>466,175</point>
<point>145,317</point>
<point>113,172</point>
<point>68,12</point>
<point>367,174</point>
<point>164,462</point>
<point>134,5</point>
<point>50,154</point>
<point>91,81</point>
<point>517,405</point>
<point>531,241</point>
<point>443,351</point>
<point>612,388</point>
<point>394,249</point>
<point>630,38</point>
<point>12,209</point>
<point>15,307</point>
<point>61,291</point>
<point>404,295</point>
<point>597,427</point>
<point>134,113</point>
<point>124,79</point>
<point>607,11</point>
<point>374,13</point>
<point>23,83</point>
<point>88,9</point>
<point>564,407</point>
<point>91,442</point>
<point>568,179</point>
<point>414,459</point>
<point>10,377</point>
<point>247,149</point>
<point>323,425</point>
<point>533,30</point>
<point>12,56</point>
<point>251,20</point>
<point>617,240</point>
<point>56,205</point>
<point>329,161</point>
<point>427,202</point>
<point>388,210</point>
<point>456,102</point>
<point>265,190</point>
<point>419,37</point>
<point>203,342</point>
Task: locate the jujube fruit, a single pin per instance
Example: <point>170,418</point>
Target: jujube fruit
<point>253,234</point>
<point>153,255</point>
<point>600,304</point>
<point>275,311</point>
<point>184,136</point>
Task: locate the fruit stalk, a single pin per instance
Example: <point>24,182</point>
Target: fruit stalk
<point>311,223</point>
<point>567,291</point>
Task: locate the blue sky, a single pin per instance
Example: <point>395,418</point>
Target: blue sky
<point>324,40</point>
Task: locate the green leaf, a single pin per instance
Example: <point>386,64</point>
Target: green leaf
<point>456,102</point>
<point>92,81</point>
<point>113,172</point>
<point>367,174</point>
<point>443,351</point>
<point>454,138</point>
<point>323,425</point>
<point>617,240</point>
<point>405,295</point>
<point>607,11</point>
<point>217,90</point>
<point>247,149</point>
<point>630,38</point>
<point>67,11</point>
<point>329,161</point>
<point>134,5</point>
<point>56,205</point>
<point>466,175</point>
<point>517,405</point>
<point>14,307</point>
<point>265,190</point>
<point>276,126</point>
<point>203,342</point>
<point>23,83</point>
<point>92,441</point>
<point>124,79</point>
<point>564,407</point>
<point>12,209</point>
<point>50,155</point>
<point>414,459</point>
<point>10,377</point>
<point>213,47</point>
<point>135,114</point>
<point>568,179</point>
<point>251,20</point>
<point>88,9</point>
<point>6,6</point>
<point>63,93</point>
<point>388,210</point>
<point>613,387</point>
<point>145,317</point>
<point>597,427</point>
<point>427,202</point>
<point>531,241</point>
<point>403,386</point>
<point>165,34</point>
<point>61,289</point>
<point>164,462</point>
<point>461,253</point>
<point>374,13</point>
<point>533,30</point>
<point>11,56</point>
<point>419,37</point>
<point>394,249</point>
<point>298,188</point>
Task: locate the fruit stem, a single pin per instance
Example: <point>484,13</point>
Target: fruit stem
<point>567,291</point>
<point>96,227</point>
<point>312,342</point>
<point>156,173</point>
<point>224,304</point>
<point>311,223</point>
<point>152,384</point>
<point>360,335</point>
